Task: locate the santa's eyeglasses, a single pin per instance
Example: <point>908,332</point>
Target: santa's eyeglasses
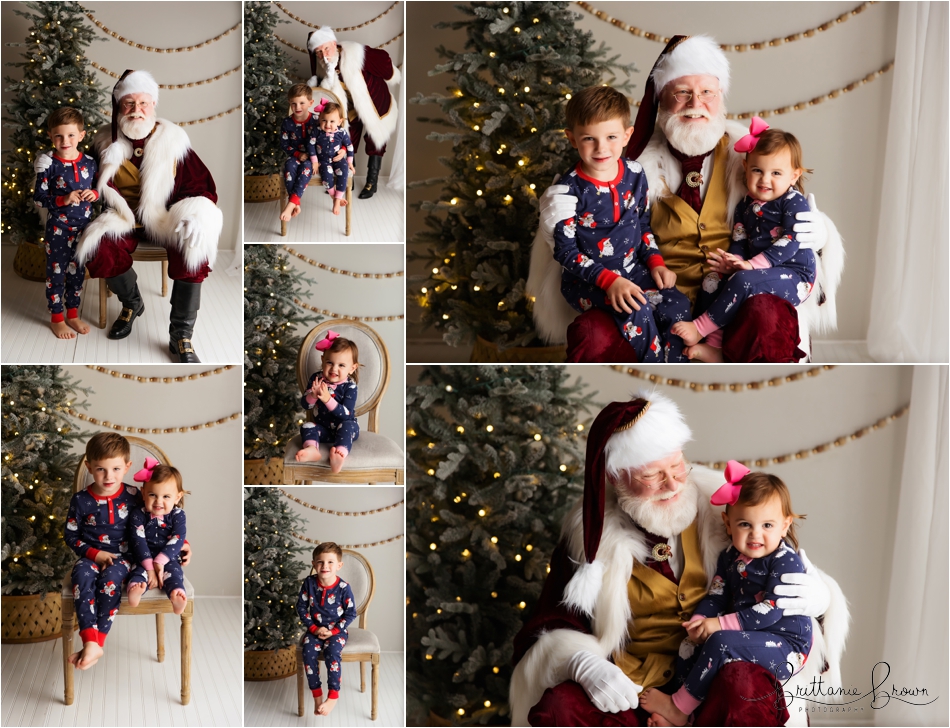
<point>654,481</point>
<point>705,96</point>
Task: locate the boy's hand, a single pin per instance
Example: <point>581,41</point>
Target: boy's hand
<point>664,277</point>
<point>302,156</point>
<point>159,575</point>
<point>152,580</point>
<point>88,195</point>
<point>323,633</point>
<point>104,558</point>
<point>185,554</point>
<point>73,198</point>
<point>623,294</point>
<point>323,392</point>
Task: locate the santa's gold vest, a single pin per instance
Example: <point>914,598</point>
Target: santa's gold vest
<point>681,233</point>
<point>128,181</point>
<point>659,607</point>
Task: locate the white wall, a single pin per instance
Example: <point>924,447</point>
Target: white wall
<point>210,459</point>
<point>386,611</point>
<point>842,139</point>
<point>172,25</point>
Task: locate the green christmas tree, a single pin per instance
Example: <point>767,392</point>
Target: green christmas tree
<point>271,396</point>
<point>496,458</point>
<point>37,476</point>
<point>272,570</point>
<point>523,60</point>
<point>55,74</point>
<point>265,89</point>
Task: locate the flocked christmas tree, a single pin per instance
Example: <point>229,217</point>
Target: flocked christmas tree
<point>496,458</point>
<point>265,89</point>
<point>55,74</point>
<point>37,476</point>
<point>523,60</point>
<point>271,394</point>
<point>272,570</point>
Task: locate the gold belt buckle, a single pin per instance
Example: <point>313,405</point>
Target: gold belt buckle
<point>126,314</point>
<point>182,348</point>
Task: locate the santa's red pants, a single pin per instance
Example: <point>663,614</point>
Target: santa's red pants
<point>742,694</point>
<point>356,131</point>
<point>114,257</point>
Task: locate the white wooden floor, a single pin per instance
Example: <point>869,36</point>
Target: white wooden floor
<point>380,219</point>
<point>128,686</point>
<point>26,337</point>
<point>274,703</point>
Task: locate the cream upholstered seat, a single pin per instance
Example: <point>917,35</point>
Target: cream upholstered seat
<point>361,645</point>
<point>154,601</point>
<point>374,458</point>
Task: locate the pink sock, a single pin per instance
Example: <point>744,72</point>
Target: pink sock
<point>309,443</point>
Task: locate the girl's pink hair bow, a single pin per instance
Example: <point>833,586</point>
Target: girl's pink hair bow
<point>327,342</point>
<point>319,107</point>
<point>728,494</point>
<point>145,474</point>
<point>748,142</point>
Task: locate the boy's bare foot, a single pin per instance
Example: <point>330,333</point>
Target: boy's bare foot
<point>317,702</point>
<point>135,592</point>
<point>687,331</point>
<point>327,706</point>
<point>78,324</point>
<point>91,652</point>
<point>336,205</point>
<point>296,211</point>
<point>288,212</point>
<point>61,330</point>
<point>337,456</point>
<point>662,707</point>
<point>704,352</point>
<point>178,600</point>
<point>308,455</point>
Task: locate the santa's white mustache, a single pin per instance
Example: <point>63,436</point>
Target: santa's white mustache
<point>692,113</point>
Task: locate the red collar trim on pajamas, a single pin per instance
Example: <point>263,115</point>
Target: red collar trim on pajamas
<point>108,499</point>
<point>615,181</point>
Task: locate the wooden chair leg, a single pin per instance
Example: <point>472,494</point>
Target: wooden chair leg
<point>300,691</point>
<point>349,210</point>
<point>160,636</point>
<point>362,677</point>
<point>68,674</point>
<point>186,653</point>
<point>103,292</point>
<point>281,204</point>
<point>375,681</point>
<point>164,278</point>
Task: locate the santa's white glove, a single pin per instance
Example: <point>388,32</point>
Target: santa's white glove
<point>189,233</point>
<point>556,206</point>
<point>810,228</point>
<point>608,688</point>
<point>804,593</point>
<point>312,82</point>
<point>42,163</point>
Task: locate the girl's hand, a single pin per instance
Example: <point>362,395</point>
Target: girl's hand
<point>152,580</point>
<point>323,392</point>
<point>159,575</point>
<point>339,155</point>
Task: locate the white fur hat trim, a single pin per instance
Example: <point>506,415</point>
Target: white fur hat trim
<point>320,36</point>
<point>697,55</point>
<point>584,587</point>
<point>137,82</point>
<point>658,433</point>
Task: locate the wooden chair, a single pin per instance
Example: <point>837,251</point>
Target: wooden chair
<point>315,180</point>
<point>361,645</point>
<point>144,252</point>
<point>374,458</point>
<point>153,601</point>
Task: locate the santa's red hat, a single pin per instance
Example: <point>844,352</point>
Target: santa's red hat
<point>315,39</point>
<point>131,82</point>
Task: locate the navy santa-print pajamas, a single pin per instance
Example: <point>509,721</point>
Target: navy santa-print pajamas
<point>158,540</point>
<point>297,139</point>
<point>93,524</point>
<point>64,225</point>
<point>610,237</point>
<point>332,607</point>
<point>334,174</point>
<point>754,630</point>
<point>334,421</point>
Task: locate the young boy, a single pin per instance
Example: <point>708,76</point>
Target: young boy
<point>67,189</point>
<point>326,608</point>
<point>607,249</point>
<point>298,139</point>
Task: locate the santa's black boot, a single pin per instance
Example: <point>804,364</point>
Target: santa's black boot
<point>372,177</point>
<point>126,290</point>
<point>186,298</point>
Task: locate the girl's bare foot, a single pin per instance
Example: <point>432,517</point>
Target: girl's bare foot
<point>317,702</point>
<point>296,211</point>
<point>308,455</point>
<point>337,456</point>
<point>78,324</point>
<point>705,353</point>
<point>327,706</point>
<point>135,592</point>
<point>288,212</point>
<point>336,205</point>
<point>687,331</point>
<point>61,330</point>
<point>178,600</point>
<point>657,720</point>
<point>662,707</point>
<point>91,652</point>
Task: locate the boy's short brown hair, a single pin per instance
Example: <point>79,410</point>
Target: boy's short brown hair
<point>107,445</point>
<point>300,89</point>
<point>65,115</point>
<point>595,104</point>
<point>328,547</point>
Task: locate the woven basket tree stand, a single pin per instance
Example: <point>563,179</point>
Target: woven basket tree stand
<point>264,471</point>
<point>262,187</point>
<point>270,664</point>
<point>31,618</point>
<point>30,262</point>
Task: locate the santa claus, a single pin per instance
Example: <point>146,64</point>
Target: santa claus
<point>156,190</point>
<point>363,79</point>
<point>636,556</point>
<point>685,144</point>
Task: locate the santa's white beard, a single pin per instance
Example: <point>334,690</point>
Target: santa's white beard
<point>690,138</point>
<point>137,128</point>
<point>663,520</point>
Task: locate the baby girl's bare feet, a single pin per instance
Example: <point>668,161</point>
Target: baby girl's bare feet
<point>687,331</point>
<point>61,330</point>
<point>661,706</point>
<point>317,702</point>
<point>78,324</point>
<point>136,591</point>
<point>178,600</point>
<point>336,205</point>
<point>705,353</point>
<point>288,212</point>
<point>337,456</point>
<point>327,706</point>
<point>296,211</point>
<point>308,455</point>
<point>89,656</point>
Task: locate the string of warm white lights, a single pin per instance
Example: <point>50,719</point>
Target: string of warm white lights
<point>163,380</point>
<point>340,513</point>
<point>721,387</point>
<point>348,545</point>
<point>338,30</point>
<point>331,269</point>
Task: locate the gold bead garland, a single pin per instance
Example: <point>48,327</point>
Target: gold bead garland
<point>171,85</point>
<point>340,513</point>
<point>721,387</point>
<point>306,52</point>
<point>331,314</point>
<point>150,431</point>
<point>158,50</point>
<point>163,380</point>
<point>338,30</point>
<point>738,47</point>
<point>331,269</point>
<point>348,545</point>
<point>824,447</point>
<point>208,118</point>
